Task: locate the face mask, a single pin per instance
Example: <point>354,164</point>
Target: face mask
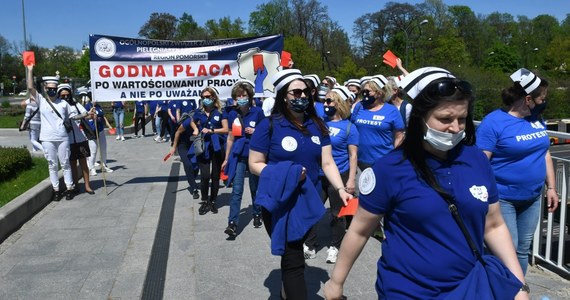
<point>368,101</point>
<point>443,141</point>
<point>538,108</point>
<point>330,111</point>
<point>207,101</point>
<point>51,92</point>
<point>323,88</point>
<point>242,101</point>
<point>299,104</point>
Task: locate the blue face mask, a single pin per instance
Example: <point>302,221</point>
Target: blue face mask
<point>242,101</point>
<point>299,104</point>
<point>51,92</point>
<point>207,101</point>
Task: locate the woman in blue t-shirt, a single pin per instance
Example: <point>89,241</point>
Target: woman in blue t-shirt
<point>517,144</point>
<point>379,123</point>
<point>296,139</point>
<point>242,119</point>
<point>212,123</point>
<point>426,254</point>
<point>119,115</point>
<point>344,143</point>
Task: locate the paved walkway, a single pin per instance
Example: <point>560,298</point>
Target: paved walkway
<point>145,239</point>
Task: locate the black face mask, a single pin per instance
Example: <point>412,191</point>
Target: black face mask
<point>299,104</point>
<point>538,108</point>
<point>330,111</point>
<point>51,92</point>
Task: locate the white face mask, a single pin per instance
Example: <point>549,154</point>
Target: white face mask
<point>443,141</point>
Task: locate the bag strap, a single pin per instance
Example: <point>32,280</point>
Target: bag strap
<point>54,110</point>
<point>450,200</point>
<point>28,119</point>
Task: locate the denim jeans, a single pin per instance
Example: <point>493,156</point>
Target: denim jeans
<point>119,115</point>
<point>521,218</point>
<point>237,191</point>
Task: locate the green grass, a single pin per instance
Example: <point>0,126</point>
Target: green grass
<point>8,121</point>
<point>24,181</point>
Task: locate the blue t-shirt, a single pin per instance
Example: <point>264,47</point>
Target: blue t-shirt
<point>152,106</point>
<point>425,254</point>
<point>100,114</point>
<point>172,106</point>
<point>215,122</point>
<point>163,105</point>
<point>186,106</point>
<point>117,105</point>
<point>376,129</point>
<point>289,144</point>
<point>519,148</point>
<point>139,107</point>
<point>251,119</point>
<point>320,109</point>
<point>340,141</point>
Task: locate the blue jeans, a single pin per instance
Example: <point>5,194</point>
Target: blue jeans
<point>521,218</point>
<point>119,115</point>
<point>237,191</point>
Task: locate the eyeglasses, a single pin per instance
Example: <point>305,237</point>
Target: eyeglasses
<point>64,96</point>
<point>447,88</point>
<point>329,101</point>
<point>51,89</point>
<point>298,93</point>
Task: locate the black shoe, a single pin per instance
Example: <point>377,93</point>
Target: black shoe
<point>195,194</point>
<point>90,192</point>
<point>257,221</point>
<point>204,208</point>
<point>231,230</point>
<point>55,196</point>
<point>76,190</point>
<point>69,195</point>
<point>213,207</point>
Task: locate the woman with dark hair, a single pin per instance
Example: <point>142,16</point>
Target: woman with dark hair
<point>436,171</point>
<point>78,143</point>
<point>516,142</point>
<point>243,119</point>
<point>286,151</point>
<point>211,122</point>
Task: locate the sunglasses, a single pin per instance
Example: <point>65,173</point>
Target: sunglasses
<point>447,88</point>
<point>329,101</point>
<point>298,93</point>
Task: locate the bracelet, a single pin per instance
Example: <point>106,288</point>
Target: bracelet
<point>525,288</point>
<point>340,188</point>
<point>550,188</point>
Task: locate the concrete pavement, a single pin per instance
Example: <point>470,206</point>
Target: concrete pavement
<point>145,239</point>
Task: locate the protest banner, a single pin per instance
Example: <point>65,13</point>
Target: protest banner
<point>129,69</point>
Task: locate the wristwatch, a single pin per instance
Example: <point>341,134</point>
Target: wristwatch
<point>525,288</point>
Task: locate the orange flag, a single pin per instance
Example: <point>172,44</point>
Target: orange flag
<point>29,58</point>
<point>349,209</point>
<point>390,59</point>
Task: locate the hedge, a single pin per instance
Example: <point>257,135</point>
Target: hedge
<point>12,161</point>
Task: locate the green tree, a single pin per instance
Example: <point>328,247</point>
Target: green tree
<point>224,28</point>
<point>160,26</point>
<point>270,18</point>
<point>349,70</point>
<point>188,29</point>
<point>305,58</point>
<point>82,65</point>
<point>502,58</point>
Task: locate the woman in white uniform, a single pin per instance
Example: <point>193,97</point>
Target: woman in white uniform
<point>54,114</point>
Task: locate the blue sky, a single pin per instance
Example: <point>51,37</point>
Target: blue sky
<point>69,22</point>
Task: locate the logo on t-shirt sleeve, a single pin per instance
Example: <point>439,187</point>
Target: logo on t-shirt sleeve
<point>367,181</point>
<point>479,192</point>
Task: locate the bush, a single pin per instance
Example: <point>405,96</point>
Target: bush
<point>6,104</point>
<point>12,161</point>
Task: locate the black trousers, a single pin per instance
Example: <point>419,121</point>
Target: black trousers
<point>188,169</point>
<point>292,264</point>
<point>210,170</point>
<point>139,121</point>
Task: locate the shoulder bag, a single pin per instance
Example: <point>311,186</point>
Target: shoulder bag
<point>66,123</point>
<point>26,124</point>
<point>490,278</point>
<point>89,133</point>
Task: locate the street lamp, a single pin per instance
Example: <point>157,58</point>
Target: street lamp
<point>407,32</point>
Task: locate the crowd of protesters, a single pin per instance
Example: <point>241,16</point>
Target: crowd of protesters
<point>401,144</point>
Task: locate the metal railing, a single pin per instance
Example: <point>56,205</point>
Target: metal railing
<point>551,234</point>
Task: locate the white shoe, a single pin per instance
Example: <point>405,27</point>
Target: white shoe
<point>92,172</point>
<point>122,138</point>
<point>309,254</point>
<point>156,138</point>
<point>97,164</point>
<point>332,253</point>
<point>108,170</point>
<point>118,137</point>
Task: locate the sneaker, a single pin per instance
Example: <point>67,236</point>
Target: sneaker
<point>332,253</point>
<point>55,196</point>
<point>204,208</point>
<point>231,230</point>
<point>92,172</point>
<point>69,195</point>
<point>122,138</point>
<point>257,221</point>
<point>213,207</point>
<point>118,137</point>
<point>108,170</point>
<point>309,253</point>
<point>195,194</point>
<point>97,164</point>
<point>156,138</point>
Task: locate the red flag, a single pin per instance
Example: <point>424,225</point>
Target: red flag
<point>349,209</point>
<point>390,59</point>
<point>29,58</point>
<point>285,59</point>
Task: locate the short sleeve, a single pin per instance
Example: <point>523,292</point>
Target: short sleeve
<point>375,188</point>
<point>398,122</point>
<point>486,136</point>
<point>260,140</point>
